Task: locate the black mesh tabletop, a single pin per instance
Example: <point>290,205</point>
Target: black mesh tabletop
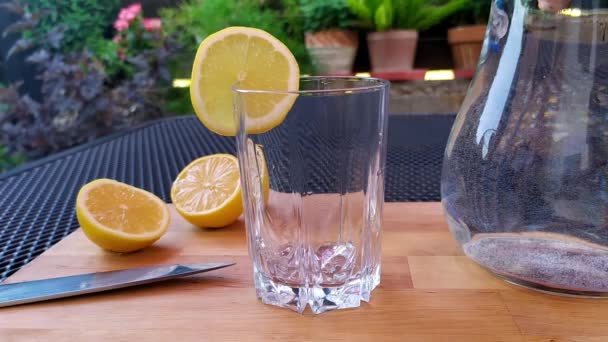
<point>37,200</point>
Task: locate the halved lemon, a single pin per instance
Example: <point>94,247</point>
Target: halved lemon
<point>207,193</point>
<point>255,60</point>
<point>119,217</point>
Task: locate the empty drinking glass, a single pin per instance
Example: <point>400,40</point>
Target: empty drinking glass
<point>313,188</point>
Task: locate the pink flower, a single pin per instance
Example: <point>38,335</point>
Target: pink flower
<point>135,8</point>
<point>117,39</point>
<point>152,24</point>
<point>121,25</point>
<point>130,12</point>
<point>122,15</point>
<point>126,15</point>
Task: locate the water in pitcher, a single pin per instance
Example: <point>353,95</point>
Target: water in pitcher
<point>525,182</point>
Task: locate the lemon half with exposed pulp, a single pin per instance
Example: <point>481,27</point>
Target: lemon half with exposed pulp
<point>119,217</point>
<point>207,193</point>
<point>255,60</point>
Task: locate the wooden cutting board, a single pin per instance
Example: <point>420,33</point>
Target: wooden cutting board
<point>429,292</point>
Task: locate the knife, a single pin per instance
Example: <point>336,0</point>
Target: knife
<point>54,288</point>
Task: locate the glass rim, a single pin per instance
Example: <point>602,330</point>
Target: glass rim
<point>375,84</point>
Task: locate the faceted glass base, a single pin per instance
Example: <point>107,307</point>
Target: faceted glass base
<point>320,299</point>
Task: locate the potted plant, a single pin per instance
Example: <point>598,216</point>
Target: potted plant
<point>553,5</point>
<point>329,40</point>
<point>466,39</point>
<point>396,23</point>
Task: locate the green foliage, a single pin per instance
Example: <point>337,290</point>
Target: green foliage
<point>178,101</point>
<point>329,14</point>
<point>9,161</point>
<point>291,10</point>
<point>107,52</point>
<point>194,20</point>
<point>80,100</point>
<point>382,15</point>
<point>83,20</point>
<point>476,12</point>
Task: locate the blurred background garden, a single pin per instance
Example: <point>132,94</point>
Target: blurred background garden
<point>72,71</point>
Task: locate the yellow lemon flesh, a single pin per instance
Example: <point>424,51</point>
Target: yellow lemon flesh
<point>207,193</point>
<point>255,60</point>
<point>119,217</point>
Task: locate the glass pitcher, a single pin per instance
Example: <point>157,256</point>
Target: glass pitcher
<point>525,175</point>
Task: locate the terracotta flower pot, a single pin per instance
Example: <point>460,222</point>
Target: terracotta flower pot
<point>466,43</point>
<point>333,51</point>
<point>553,5</point>
<point>392,50</point>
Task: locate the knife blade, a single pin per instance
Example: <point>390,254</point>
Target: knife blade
<point>62,287</point>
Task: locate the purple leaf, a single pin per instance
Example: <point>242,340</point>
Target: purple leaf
<point>55,36</point>
<point>19,26</point>
<point>90,87</point>
<point>139,61</point>
<point>10,129</point>
<point>32,106</point>
<point>13,7</point>
<point>162,54</point>
<point>20,46</point>
<point>164,74</point>
<point>38,57</point>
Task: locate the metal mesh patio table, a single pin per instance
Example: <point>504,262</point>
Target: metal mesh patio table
<point>37,200</point>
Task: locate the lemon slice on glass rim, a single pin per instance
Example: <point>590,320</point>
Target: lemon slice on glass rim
<point>253,59</point>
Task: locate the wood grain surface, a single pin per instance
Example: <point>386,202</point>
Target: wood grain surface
<point>429,292</point>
